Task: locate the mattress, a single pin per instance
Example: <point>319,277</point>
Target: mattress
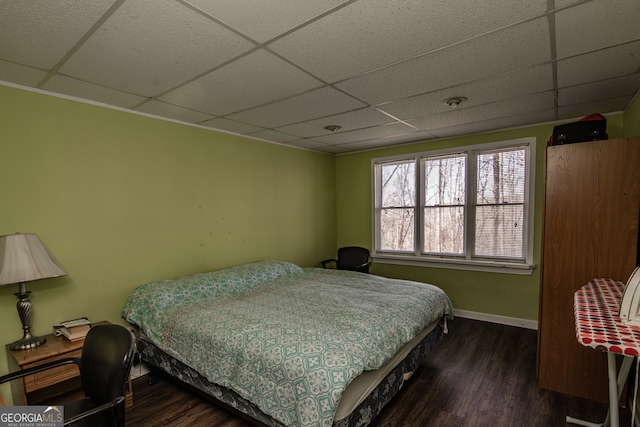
<point>287,339</point>
<point>362,400</point>
<point>363,385</point>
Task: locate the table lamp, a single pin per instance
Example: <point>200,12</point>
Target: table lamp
<point>23,258</point>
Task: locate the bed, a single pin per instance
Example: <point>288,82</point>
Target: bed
<point>290,346</point>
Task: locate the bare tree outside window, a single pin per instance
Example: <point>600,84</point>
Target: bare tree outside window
<point>444,196</point>
<point>500,204</point>
<point>398,206</point>
<point>458,205</point>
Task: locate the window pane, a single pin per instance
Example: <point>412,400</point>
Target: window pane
<point>500,231</point>
<point>396,229</point>
<point>444,189</point>
<point>397,215</point>
<point>398,184</point>
<point>444,181</point>
<point>500,204</point>
<point>444,230</point>
<point>501,177</point>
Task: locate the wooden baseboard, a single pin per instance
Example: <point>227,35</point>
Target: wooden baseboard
<point>493,318</point>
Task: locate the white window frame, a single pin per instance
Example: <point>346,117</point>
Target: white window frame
<point>467,261</point>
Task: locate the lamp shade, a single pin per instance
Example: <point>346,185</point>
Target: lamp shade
<point>23,258</point>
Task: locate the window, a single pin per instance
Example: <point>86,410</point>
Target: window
<point>471,207</point>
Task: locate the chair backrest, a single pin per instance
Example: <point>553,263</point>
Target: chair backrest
<point>353,258</point>
<point>105,363</point>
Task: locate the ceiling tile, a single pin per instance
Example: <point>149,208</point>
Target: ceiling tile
<point>374,31</point>
<point>20,74</point>
<point>318,103</point>
<point>231,126</point>
<point>264,20</point>
<point>595,25</point>
<point>559,4</point>
<point>169,111</point>
<point>497,123</point>
<point>367,134</point>
<point>317,146</point>
<point>479,92</point>
<point>515,48</point>
<point>510,107</point>
<point>40,33</point>
<point>272,135</point>
<point>408,138</point>
<point>603,107</point>
<point>149,46</point>
<point>80,89</point>
<point>253,80</point>
<point>357,119</point>
<point>602,64</point>
<point>601,90</point>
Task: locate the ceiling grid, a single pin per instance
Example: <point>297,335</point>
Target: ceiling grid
<point>291,72</point>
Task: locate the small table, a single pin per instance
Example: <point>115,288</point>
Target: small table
<point>43,386</point>
<point>598,326</point>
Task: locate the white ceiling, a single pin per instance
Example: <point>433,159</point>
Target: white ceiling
<point>282,70</point>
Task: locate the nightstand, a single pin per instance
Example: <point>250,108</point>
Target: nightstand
<point>53,384</point>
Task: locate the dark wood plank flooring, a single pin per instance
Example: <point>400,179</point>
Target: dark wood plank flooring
<point>480,374</point>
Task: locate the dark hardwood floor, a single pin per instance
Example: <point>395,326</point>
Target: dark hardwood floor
<point>480,374</point>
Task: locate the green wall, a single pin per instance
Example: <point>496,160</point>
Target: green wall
<point>632,118</point>
<point>492,293</point>
<point>123,199</point>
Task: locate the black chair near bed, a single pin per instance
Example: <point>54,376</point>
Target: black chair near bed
<point>104,366</point>
<point>352,258</point>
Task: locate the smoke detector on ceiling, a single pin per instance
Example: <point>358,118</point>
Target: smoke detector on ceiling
<point>455,101</point>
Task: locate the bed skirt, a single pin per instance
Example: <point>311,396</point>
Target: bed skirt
<point>361,416</point>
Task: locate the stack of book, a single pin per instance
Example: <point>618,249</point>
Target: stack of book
<point>72,329</point>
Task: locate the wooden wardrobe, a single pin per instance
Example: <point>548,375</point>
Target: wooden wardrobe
<point>590,229</point>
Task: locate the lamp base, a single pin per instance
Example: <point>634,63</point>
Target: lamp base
<point>28,342</point>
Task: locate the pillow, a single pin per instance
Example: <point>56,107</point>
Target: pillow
<point>197,288</point>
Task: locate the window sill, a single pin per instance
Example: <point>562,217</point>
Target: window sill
<point>455,264</point>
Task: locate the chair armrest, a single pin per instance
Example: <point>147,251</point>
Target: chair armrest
<point>115,402</point>
<point>367,263</point>
<point>327,261</point>
<point>19,374</point>
<point>363,265</point>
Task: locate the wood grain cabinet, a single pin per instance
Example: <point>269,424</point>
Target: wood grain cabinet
<point>590,229</point>
<point>50,385</point>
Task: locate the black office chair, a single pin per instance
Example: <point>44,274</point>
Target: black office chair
<point>352,258</point>
<point>104,365</point>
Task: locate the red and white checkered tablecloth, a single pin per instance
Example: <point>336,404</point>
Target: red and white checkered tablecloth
<point>598,325</point>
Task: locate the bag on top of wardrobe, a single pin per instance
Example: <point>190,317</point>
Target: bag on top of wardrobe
<point>590,128</point>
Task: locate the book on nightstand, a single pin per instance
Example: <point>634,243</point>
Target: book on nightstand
<point>73,329</point>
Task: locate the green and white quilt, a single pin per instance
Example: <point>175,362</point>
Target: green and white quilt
<point>286,338</point>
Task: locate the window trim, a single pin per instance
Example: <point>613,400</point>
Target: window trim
<point>416,258</point>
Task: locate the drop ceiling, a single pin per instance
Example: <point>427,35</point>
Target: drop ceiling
<point>284,70</point>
